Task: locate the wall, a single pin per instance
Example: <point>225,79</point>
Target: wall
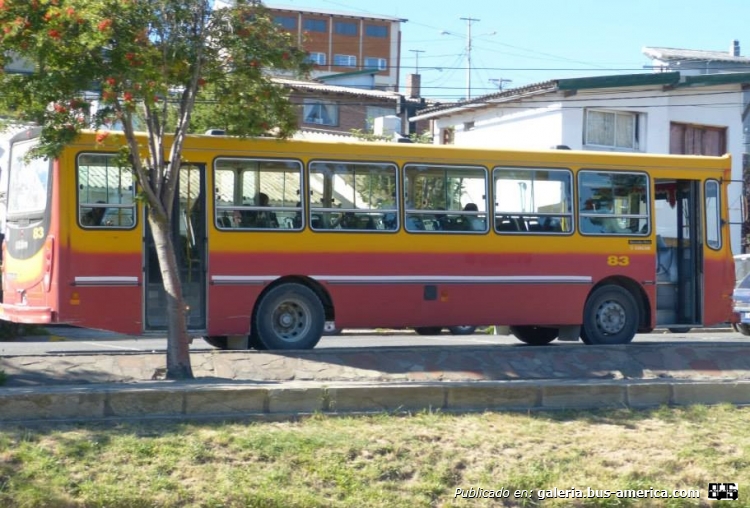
<point>530,127</point>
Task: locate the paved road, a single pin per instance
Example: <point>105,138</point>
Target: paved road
<point>68,340</point>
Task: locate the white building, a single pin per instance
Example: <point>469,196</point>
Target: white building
<point>667,112</point>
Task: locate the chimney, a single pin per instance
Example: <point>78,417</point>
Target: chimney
<point>413,85</point>
<point>735,49</point>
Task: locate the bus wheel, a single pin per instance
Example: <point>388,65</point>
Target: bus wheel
<point>584,337</point>
<point>610,316</point>
<point>462,330</point>
<point>742,328</point>
<point>535,335</point>
<point>253,342</point>
<point>428,330</point>
<point>290,316</point>
<point>219,341</point>
<point>682,329</point>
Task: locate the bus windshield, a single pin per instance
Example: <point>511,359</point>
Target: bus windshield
<point>28,179</point>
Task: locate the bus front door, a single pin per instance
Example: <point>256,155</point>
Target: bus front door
<point>679,260</point>
<point>189,237</point>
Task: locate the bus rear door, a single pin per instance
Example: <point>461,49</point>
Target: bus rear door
<point>189,238</point>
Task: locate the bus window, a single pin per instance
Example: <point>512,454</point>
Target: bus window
<point>106,192</point>
<point>445,198</point>
<point>713,217</point>
<point>29,180</point>
<point>258,194</point>
<point>536,201</point>
<point>353,196</point>
<point>613,203</point>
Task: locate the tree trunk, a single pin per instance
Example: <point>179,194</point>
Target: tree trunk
<point>178,341</point>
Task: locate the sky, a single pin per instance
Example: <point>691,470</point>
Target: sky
<point>524,42</point>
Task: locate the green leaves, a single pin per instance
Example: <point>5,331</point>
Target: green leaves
<point>151,62</point>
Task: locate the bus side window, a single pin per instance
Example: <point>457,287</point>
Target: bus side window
<point>106,195</point>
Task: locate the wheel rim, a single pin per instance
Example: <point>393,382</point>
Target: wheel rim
<point>611,317</point>
<point>291,319</point>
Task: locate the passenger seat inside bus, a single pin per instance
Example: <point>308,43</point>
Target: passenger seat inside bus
<point>504,223</point>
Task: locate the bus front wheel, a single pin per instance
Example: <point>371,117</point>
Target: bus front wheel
<point>610,316</point>
<point>535,335</point>
<point>290,316</point>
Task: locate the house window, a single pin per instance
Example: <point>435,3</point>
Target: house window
<point>315,25</point>
<point>321,112</point>
<point>345,60</point>
<point>317,58</point>
<point>345,28</point>
<point>288,22</point>
<point>376,63</point>
<point>611,129</point>
<point>376,31</point>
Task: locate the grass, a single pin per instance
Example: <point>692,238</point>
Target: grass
<point>378,461</point>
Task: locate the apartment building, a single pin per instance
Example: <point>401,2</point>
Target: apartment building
<point>346,44</point>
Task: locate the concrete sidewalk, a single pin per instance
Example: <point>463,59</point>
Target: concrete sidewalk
<point>282,384</point>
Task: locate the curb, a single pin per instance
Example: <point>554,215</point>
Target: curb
<point>202,400</point>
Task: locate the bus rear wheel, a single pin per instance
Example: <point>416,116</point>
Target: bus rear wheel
<point>610,316</point>
<point>428,330</point>
<point>290,316</point>
<point>535,335</point>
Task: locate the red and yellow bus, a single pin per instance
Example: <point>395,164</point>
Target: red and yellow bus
<point>278,239</point>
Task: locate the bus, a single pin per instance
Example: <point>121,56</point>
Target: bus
<point>278,240</point>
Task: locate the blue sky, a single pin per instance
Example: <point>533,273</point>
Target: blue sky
<point>539,40</point>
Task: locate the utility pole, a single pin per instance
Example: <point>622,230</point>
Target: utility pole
<point>469,21</point>
<point>417,52</point>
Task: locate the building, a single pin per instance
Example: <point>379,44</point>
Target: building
<point>340,110</point>
<point>665,112</point>
<point>343,43</point>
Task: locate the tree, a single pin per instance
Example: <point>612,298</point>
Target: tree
<point>148,65</point>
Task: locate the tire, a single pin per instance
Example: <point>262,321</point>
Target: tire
<point>428,330</point>
<point>462,330</point>
<point>610,316</point>
<point>584,338</point>
<point>335,331</point>
<point>742,328</point>
<point>535,335</point>
<point>219,341</point>
<point>253,342</point>
<point>290,316</point>
<point>682,329</point>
